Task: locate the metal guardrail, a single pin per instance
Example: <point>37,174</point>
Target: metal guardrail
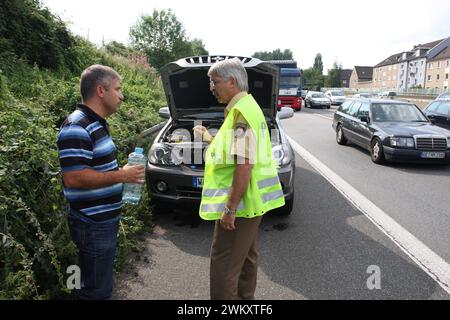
<point>419,92</point>
<point>152,130</point>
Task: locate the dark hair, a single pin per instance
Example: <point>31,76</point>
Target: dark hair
<point>94,76</point>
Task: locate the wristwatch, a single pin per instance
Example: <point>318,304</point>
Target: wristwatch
<point>229,212</point>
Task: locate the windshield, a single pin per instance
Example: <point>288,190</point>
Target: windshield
<point>337,93</point>
<point>397,113</point>
<point>318,95</point>
<point>290,81</point>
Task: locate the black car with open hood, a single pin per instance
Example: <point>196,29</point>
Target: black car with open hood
<point>174,172</point>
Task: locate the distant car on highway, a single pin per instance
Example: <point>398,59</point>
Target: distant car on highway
<point>438,112</point>
<point>337,97</point>
<point>362,95</point>
<point>317,99</point>
<point>391,130</point>
<point>387,94</point>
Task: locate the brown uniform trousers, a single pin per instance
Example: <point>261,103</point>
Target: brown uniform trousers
<point>234,260</point>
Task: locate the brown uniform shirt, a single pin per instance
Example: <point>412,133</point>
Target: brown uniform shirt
<point>244,142</point>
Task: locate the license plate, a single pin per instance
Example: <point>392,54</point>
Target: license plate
<point>433,155</point>
<point>287,105</point>
<point>197,182</point>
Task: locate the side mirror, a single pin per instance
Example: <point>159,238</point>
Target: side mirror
<point>164,113</point>
<point>285,113</point>
<point>364,119</point>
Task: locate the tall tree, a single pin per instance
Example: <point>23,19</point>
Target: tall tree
<point>312,79</point>
<point>334,76</point>
<point>163,38</point>
<point>276,54</point>
<point>198,48</point>
<point>318,64</point>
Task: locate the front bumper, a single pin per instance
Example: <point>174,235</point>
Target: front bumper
<point>337,102</point>
<point>412,155</point>
<point>181,190</point>
<point>318,104</point>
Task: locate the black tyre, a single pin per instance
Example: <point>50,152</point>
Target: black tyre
<point>159,207</point>
<point>340,138</point>
<point>285,210</point>
<point>376,151</point>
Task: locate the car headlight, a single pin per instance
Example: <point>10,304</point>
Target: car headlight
<point>281,154</point>
<point>402,142</point>
<point>448,142</point>
<point>163,154</point>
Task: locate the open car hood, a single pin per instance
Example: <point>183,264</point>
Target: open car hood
<point>186,85</point>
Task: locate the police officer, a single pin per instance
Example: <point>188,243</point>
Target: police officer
<point>240,185</point>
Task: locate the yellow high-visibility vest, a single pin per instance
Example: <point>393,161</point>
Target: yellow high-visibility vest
<point>264,190</point>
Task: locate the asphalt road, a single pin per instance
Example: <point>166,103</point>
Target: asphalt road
<point>327,248</point>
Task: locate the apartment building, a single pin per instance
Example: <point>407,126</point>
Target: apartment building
<point>438,69</point>
<point>407,69</point>
<point>361,77</point>
<point>345,77</point>
<point>386,72</point>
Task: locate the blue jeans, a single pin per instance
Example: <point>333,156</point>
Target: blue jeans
<point>97,243</point>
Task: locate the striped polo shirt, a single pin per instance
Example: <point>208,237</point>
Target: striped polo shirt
<point>84,142</point>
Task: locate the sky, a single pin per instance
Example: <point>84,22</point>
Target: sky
<point>351,32</point>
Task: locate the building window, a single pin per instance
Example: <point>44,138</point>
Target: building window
<point>439,64</point>
<point>437,76</point>
<point>430,65</point>
<point>448,63</point>
<point>446,76</point>
<point>429,77</point>
<point>422,63</point>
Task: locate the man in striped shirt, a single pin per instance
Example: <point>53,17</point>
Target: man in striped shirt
<point>92,179</point>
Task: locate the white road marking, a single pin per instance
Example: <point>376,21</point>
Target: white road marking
<point>436,267</point>
<point>319,115</point>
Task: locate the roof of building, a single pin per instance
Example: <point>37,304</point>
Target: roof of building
<point>444,54</point>
<point>364,73</point>
<point>391,60</point>
<point>410,55</point>
<point>346,74</point>
<point>429,45</point>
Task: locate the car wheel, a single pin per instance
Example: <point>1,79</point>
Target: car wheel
<point>285,210</point>
<point>158,207</point>
<point>376,151</point>
<point>328,107</point>
<point>340,138</point>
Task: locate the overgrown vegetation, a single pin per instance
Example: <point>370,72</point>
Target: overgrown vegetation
<point>40,65</point>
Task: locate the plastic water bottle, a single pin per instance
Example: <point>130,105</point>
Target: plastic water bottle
<point>132,191</point>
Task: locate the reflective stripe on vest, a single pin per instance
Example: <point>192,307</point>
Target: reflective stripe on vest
<point>218,207</point>
<point>272,196</point>
<point>211,193</point>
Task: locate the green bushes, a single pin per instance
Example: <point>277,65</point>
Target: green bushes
<point>40,65</point>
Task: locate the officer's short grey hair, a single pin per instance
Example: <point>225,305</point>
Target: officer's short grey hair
<point>230,68</point>
<point>94,76</point>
